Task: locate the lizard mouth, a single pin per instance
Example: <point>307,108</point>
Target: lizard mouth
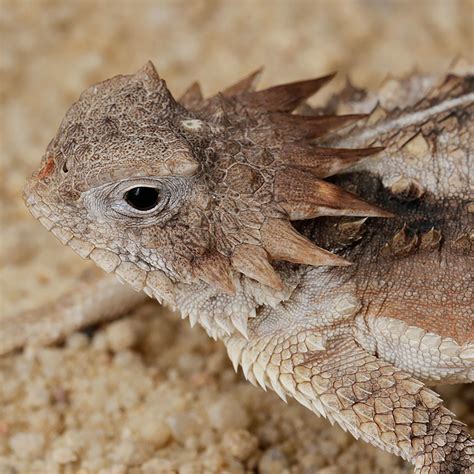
<point>37,207</point>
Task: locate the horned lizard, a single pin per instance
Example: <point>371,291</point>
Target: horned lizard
<point>331,253</point>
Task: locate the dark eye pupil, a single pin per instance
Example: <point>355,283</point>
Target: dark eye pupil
<point>142,198</point>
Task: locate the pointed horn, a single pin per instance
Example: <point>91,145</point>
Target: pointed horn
<point>247,84</point>
<point>252,261</point>
<point>215,270</point>
<point>306,197</point>
<point>298,127</point>
<point>323,162</point>
<point>285,97</point>
<point>148,72</point>
<point>283,242</point>
<point>192,95</point>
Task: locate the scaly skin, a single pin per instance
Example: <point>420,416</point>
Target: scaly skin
<point>350,343</point>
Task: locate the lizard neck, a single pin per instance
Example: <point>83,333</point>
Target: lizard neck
<point>221,314</point>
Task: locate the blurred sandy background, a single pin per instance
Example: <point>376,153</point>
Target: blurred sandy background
<point>147,394</point>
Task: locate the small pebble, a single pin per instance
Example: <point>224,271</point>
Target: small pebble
<point>27,445</point>
<point>190,363</point>
<point>154,431</point>
<point>121,335</point>
<point>37,395</point>
<point>77,341</point>
<point>228,413</point>
<point>64,455</point>
<point>240,443</point>
<point>272,461</point>
<point>116,469</point>
<point>132,453</point>
<point>191,468</point>
<point>100,341</point>
<point>183,426</point>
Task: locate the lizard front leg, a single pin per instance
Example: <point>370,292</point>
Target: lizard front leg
<point>367,396</point>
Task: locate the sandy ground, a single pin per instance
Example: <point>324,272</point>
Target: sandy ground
<point>147,394</point>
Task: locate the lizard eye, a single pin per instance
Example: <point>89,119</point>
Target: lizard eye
<point>142,198</point>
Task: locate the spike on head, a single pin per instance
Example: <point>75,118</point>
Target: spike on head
<point>192,96</point>
<point>301,127</point>
<point>285,97</point>
<point>215,269</point>
<point>323,162</point>
<point>252,261</point>
<point>148,73</point>
<point>247,84</point>
<point>282,242</point>
<point>306,197</point>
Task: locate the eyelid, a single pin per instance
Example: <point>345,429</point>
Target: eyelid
<point>136,183</point>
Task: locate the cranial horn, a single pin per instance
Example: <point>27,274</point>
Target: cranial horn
<point>298,127</point>
<point>323,162</point>
<point>283,242</point>
<point>148,72</point>
<point>305,197</point>
<point>192,95</point>
<point>247,84</point>
<point>214,269</point>
<point>285,97</point>
<point>252,261</point>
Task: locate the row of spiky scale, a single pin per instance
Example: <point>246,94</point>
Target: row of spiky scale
<point>298,187</point>
<point>394,421</point>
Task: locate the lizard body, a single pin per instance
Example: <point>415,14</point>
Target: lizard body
<point>191,202</point>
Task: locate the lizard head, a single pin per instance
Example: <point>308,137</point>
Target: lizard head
<point>165,192</point>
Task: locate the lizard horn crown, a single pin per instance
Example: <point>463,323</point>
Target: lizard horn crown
<point>284,143</point>
<point>252,163</point>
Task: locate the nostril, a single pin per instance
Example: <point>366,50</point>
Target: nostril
<point>65,167</point>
